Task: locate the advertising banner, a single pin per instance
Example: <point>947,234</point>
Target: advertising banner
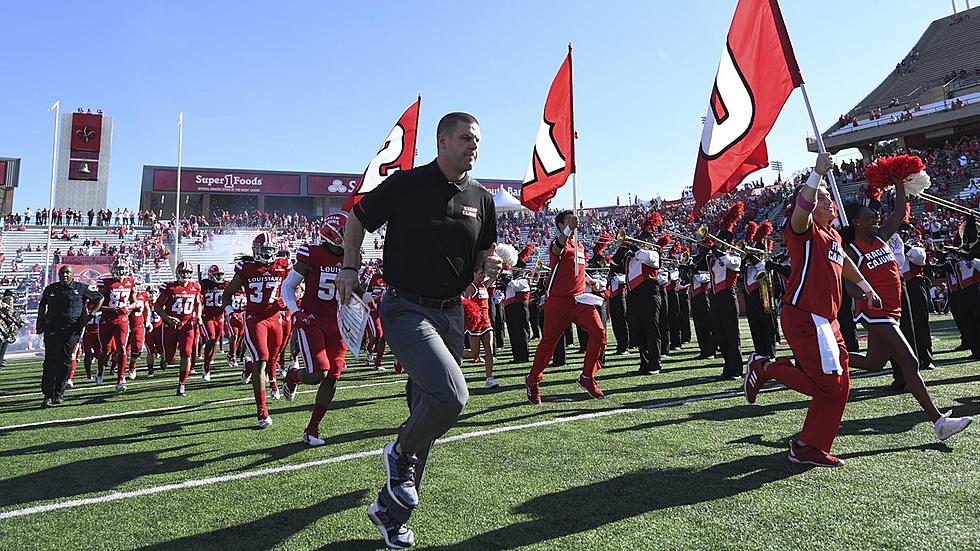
<point>197,181</point>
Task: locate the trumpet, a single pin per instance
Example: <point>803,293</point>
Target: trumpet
<point>704,234</point>
<point>684,259</point>
<point>676,235</point>
<point>621,236</point>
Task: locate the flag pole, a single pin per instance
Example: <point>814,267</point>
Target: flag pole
<point>54,173</point>
<point>180,159</point>
<point>571,98</point>
<point>821,149</point>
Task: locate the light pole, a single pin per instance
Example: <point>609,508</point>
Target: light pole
<point>778,167</point>
<point>54,173</point>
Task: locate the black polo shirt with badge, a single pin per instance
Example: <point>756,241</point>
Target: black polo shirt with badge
<point>65,304</point>
<point>435,229</point>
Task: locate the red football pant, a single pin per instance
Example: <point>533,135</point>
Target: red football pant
<point>180,338</point>
<point>828,392</point>
<point>115,339</point>
<point>137,336</point>
<point>214,328</point>
<point>263,336</point>
<point>237,326</point>
<point>559,313</point>
<point>287,332</point>
<point>322,348</point>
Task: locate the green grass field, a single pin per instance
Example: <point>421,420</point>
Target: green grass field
<point>669,464</point>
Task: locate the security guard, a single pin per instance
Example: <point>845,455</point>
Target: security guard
<point>61,315</point>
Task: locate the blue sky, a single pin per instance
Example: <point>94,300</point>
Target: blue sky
<point>318,85</point>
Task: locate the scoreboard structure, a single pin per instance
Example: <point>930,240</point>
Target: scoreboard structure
<point>82,177</point>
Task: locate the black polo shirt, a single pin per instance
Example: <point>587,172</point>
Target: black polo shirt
<point>435,229</point>
<point>65,304</point>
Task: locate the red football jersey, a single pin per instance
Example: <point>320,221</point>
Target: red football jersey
<point>262,284</point>
<point>817,259</point>
<point>118,295</point>
<point>212,291</point>
<point>180,300</point>
<point>137,314</point>
<point>92,326</point>
<point>877,263</point>
<point>320,296</point>
<point>567,271</point>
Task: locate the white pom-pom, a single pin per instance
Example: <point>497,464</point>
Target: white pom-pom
<point>917,183</point>
<point>507,254</point>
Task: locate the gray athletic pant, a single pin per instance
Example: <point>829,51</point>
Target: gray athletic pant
<point>428,342</point>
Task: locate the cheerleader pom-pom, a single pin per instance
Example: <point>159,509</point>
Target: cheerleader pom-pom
<point>507,253</point>
<point>885,171</point>
<point>471,313</point>
<point>917,183</point>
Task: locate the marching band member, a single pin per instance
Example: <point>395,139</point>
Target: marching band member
<point>725,267</point>
<point>918,292</point>
<point>701,310</point>
<point>644,306</point>
<point>760,322</point>
<point>516,298</point>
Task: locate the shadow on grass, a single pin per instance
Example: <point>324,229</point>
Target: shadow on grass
<point>267,532</point>
<point>562,513</point>
<point>94,475</point>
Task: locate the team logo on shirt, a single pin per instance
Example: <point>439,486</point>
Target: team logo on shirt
<point>469,211</point>
<point>834,254</point>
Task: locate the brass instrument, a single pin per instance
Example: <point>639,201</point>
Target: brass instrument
<point>682,236</point>
<point>10,322</point>
<point>947,204</point>
<point>765,292</point>
<point>704,235</point>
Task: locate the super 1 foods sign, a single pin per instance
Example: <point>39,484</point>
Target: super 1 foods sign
<point>226,182</point>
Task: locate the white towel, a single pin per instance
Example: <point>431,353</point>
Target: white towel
<point>590,299</point>
<point>827,343</point>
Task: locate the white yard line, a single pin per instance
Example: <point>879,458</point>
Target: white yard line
<point>171,408</point>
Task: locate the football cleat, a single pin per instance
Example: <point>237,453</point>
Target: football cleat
<point>98,379</point>
<point>132,375</point>
<point>206,376</point>
<point>265,422</point>
<point>69,384</point>
<point>121,387</point>
<point>491,382</point>
<point>181,390</point>
<point>313,440</point>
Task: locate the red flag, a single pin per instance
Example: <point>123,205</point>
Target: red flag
<point>553,158</point>
<point>397,153</point>
<point>757,73</point>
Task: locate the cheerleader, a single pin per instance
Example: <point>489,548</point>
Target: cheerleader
<point>476,321</point>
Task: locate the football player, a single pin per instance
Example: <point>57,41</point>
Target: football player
<point>322,348</point>
<point>90,346</point>
<point>236,334</point>
<point>213,287</point>
<point>180,307</point>
<point>139,323</point>
<point>118,290</point>
<point>261,276</point>
<point>154,335</point>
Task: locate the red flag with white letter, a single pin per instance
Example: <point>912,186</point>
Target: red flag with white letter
<point>757,73</point>
<point>397,153</point>
<point>553,158</point>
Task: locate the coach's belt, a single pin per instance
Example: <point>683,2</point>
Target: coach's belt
<point>442,304</point>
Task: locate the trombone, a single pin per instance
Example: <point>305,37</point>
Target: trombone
<point>684,259</point>
<point>947,204</point>
<point>739,248</point>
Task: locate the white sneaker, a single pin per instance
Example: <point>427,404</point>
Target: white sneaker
<point>275,395</point>
<point>193,371</point>
<point>380,369</point>
<point>491,383</point>
<point>70,384</point>
<point>181,391</point>
<point>150,375</point>
<point>947,426</point>
<point>89,379</point>
<point>313,441</point>
<point>207,376</point>
<point>246,379</point>
<point>132,375</point>
<point>265,422</point>
<point>121,387</point>
<point>98,379</point>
